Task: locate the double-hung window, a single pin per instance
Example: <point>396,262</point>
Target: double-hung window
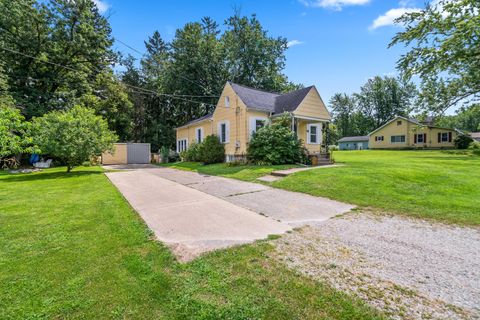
<point>223,131</point>
<point>444,137</point>
<point>199,135</point>
<point>420,138</point>
<point>182,145</point>
<point>397,139</point>
<point>313,134</point>
<point>255,123</point>
<point>378,138</point>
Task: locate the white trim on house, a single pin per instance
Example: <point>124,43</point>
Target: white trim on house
<point>227,131</point>
<point>252,124</point>
<point>202,135</point>
<point>318,133</point>
<point>182,145</point>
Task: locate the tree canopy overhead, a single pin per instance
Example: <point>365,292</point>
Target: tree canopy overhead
<point>53,51</point>
<point>444,52</point>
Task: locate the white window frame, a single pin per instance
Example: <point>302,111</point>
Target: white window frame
<point>227,102</point>
<point>182,145</point>
<point>319,133</point>
<point>202,136</point>
<point>252,124</point>
<point>441,137</point>
<point>227,131</point>
<point>420,135</point>
<point>400,135</point>
<point>378,138</point>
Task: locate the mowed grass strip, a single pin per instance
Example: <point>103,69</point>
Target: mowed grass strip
<point>240,172</point>
<point>440,185</point>
<point>72,248</point>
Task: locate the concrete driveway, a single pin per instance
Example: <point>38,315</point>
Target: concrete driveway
<point>193,213</point>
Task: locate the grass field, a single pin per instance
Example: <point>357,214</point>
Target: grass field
<point>440,185</point>
<point>72,248</point>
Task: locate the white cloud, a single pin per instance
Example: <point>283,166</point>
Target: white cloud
<point>101,5</point>
<point>388,18</point>
<point>292,43</point>
<point>333,4</point>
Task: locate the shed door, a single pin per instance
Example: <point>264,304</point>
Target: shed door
<point>138,153</point>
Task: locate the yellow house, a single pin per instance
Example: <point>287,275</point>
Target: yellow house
<point>401,132</point>
<point>241,111</point>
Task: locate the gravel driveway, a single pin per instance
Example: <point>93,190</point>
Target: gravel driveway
<point>409,268</point>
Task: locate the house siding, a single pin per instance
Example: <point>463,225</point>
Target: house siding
<point>189,132</point>
<point>312,106</point>
<point>409,129</point>
<point>302,127</point>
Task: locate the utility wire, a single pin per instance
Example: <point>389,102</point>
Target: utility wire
<point>127,85</point>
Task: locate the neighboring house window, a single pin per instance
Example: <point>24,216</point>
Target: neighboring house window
<point>313,134</point>
<point>256,123</point>
<point>182,145</point>
<point>378,138</point>
<point>420,138</point>
<point>444,137</point>
<point>199,135</point>
<point>397,139</point>
<point>227,101</point>
<point>399,122</point>
<point>224,131</point>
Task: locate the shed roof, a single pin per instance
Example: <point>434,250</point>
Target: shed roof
<point>354,139</point>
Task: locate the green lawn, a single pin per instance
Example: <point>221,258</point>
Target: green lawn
<point>440,185</point>
<point>72,248</point>
<point>430,184</point>
<point>240,172</point>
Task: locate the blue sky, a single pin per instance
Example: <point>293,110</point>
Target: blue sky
<point>335,44</point>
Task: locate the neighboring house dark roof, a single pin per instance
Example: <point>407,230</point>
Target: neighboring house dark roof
<point>206,117</point>
<point>475,135</point>
<point>270,101</point>
<point>354,139</point>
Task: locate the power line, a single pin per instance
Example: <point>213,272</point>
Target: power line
<point>127,85</point>
<point>129,47</point>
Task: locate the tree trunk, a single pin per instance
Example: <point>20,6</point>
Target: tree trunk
<point>69,168</point>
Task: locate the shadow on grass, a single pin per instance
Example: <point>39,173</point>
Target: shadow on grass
<point>24,177</point>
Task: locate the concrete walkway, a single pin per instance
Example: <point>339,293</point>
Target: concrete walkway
<point>193,213</point>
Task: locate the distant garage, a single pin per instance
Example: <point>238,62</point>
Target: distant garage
<point>128,153</point>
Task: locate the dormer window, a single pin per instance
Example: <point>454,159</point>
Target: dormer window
<point>227,101</point>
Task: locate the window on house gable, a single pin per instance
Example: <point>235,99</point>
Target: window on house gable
<point>227,101</point>
<point>399,122</point>
<point>223,131</point>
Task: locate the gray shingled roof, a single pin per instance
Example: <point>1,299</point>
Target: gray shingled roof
<point>354,139</point>
<point>270,101</point>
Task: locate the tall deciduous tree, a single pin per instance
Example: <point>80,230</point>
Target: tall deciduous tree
<point>253,57</point>
<point>466,118</point>
<point>382,98</point>
<point>444,51</point>
<point>54,50</point>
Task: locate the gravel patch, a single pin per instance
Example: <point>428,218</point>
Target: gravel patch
<point>410,269</point>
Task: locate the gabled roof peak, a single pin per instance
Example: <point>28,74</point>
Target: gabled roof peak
<point>270,101</point>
